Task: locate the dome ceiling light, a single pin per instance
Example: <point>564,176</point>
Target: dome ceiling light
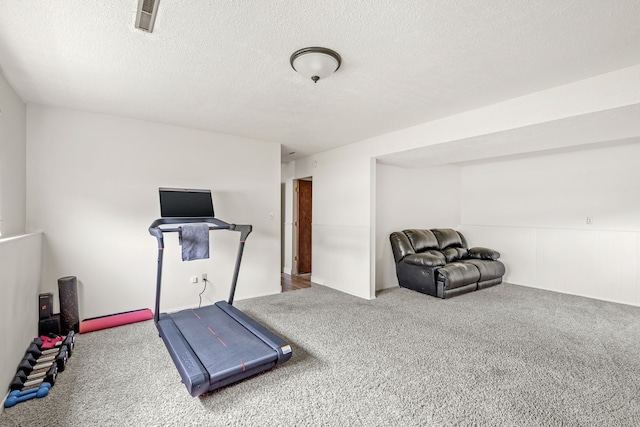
<point>315,63</point>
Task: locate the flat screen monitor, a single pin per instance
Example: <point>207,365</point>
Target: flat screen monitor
<point>184,202</point>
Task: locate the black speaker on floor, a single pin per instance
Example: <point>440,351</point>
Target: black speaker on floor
<point>68,293</point>
<point>50,326</point>
<point>45,306</point>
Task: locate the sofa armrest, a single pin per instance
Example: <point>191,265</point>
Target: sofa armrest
<point>483,253</point>
<point>400,245</point>
<point>426,259</point>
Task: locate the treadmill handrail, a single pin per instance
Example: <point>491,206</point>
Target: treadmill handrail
<point>172,224</point>
<point>156,228</point>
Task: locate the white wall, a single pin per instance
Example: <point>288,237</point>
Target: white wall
<point>13,122</point>
<point>412,198</point>
<point>534,211</point>
<point>341,217</point>
<point>93,188</point>
<point>20,277</point>
<point>20,254</point>
<point>558,190</point>
<point>344,178</point>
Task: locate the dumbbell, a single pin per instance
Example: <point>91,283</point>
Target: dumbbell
<point>35,374</point>
<point>47,342</point>
<point>69,341</point>
<point>29,363</point>
<point>22,381</point>
<point>16,396</point>
<point>36,346</point>
<point>60,357</point>
<point>37,352</point>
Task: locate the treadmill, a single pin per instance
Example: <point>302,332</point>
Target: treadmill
<point>216,345</point>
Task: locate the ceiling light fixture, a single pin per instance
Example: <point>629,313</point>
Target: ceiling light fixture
<point>315,63</point>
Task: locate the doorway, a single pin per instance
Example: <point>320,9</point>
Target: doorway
<point>302,225</point>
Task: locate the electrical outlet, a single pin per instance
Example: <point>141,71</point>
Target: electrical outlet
<point>204,277</point>
<point>194,279</point>
<point>589,220</point>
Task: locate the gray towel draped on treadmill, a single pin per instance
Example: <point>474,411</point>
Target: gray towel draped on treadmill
<point>194,239</point>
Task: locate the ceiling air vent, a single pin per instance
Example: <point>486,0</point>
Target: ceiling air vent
<point>146,16</point>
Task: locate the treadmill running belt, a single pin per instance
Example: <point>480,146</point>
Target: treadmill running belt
<point>224,347</point>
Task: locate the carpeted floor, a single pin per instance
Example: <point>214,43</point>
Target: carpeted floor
<point>504,356</point>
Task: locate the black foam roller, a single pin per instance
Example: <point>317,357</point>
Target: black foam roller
<point>68,293</point>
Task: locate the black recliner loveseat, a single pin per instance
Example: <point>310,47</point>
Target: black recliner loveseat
<point>438,262</point>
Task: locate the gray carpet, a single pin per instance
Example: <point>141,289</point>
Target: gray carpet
<point>504,356</point>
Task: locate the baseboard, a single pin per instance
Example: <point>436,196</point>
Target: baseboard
<point>316,280</point>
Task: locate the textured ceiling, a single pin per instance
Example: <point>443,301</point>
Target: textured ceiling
<point>224,66</point>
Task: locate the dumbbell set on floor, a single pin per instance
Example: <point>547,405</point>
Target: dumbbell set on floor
<point>38,369</point>
<point>17,396</point>
<point>40,365</point>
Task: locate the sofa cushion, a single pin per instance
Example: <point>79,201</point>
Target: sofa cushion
<point>456,274</point>
<point>488,269</point>
<point>447,238</point>
<point>421,239</point>
<point>454,254</point>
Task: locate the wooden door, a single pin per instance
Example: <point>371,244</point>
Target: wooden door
<point>304,226</point>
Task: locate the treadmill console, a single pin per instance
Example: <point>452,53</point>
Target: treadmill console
<point>184,203</point>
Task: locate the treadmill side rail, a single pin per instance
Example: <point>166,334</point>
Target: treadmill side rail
<point>272,340</point>
<point>194,376</point>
